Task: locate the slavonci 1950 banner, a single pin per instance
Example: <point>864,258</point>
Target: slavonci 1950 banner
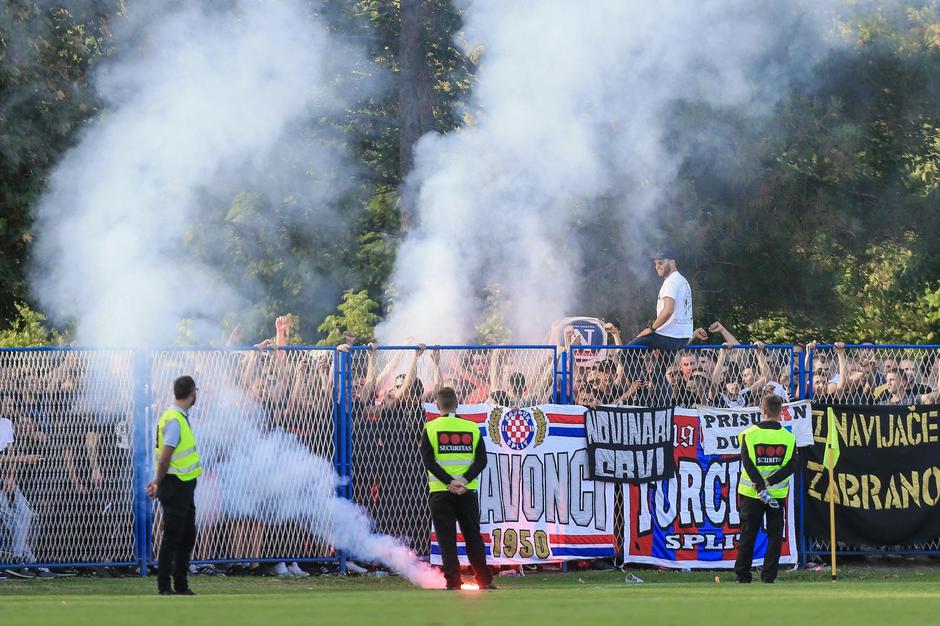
<point>693,520</point>
<point>537,503</point>
<point>887,479</point>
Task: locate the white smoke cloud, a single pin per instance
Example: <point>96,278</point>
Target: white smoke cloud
<point>198,98</point>
<point>293,484</point>
<point>573,103</point>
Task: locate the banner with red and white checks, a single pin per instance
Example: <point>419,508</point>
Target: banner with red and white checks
<point>537,503</point>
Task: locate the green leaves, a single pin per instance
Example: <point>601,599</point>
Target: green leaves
<point>356,314</point>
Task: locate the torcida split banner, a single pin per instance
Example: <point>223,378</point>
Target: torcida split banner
<point>693,520</point>
<point>537,501</point>
<point>887,479</point>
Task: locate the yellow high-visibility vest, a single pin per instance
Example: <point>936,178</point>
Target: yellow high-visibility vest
<point>769,449</point>
<point>184,462</point>
<point>454,441</point>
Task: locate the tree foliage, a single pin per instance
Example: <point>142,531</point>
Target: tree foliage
<point>816,222</point>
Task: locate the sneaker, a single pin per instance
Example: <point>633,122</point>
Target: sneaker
<point>43,572</point>
<point>210,570</point>
<point>280,570</point>
<point>19,573</point>
<point>295,570</point>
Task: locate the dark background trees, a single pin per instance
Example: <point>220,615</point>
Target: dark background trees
<point>817,222</point>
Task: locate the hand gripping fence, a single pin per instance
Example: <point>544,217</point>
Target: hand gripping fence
<point>77,431</point>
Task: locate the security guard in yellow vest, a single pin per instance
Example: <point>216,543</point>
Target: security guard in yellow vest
<point>174,484</point>
<point>768,459</point>
<point>454,455</point>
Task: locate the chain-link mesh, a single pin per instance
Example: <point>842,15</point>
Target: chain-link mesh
<point>66,468</point>
<point>259,414</point>
<point>715,376</point>
<point>67,435</point>
<point>871,375</point>
<point>389,389</point>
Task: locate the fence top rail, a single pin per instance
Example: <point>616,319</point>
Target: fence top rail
<point>467,347</point>
<point>152,350</point>
<point>698,346</point>
<point>877,346</point>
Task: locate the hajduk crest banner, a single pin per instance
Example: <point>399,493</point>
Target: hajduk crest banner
<point>693,520</point>
<point>721,427</point>
<point>537,501</point>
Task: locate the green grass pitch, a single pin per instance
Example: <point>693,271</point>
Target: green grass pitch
<point>884,595</point>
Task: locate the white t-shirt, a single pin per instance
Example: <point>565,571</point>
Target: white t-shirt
<point>679,324</point>
<point>6,433</point>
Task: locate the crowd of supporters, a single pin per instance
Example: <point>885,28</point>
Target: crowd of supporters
<point>66,424</point>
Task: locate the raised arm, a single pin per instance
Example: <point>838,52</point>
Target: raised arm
<point>367,395</point>
<point>838,388</point>
<point>763,370</point>
<point>409,381</point>
<point>437,380</point>
<point>718,327</point>
<point>718,372</point>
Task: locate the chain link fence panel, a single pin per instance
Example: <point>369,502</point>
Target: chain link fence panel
<point>262,418</point>
<point>66,469</point>
<point>389,387</point>
<point>68,440</point>
<point>872,375</point>
<point>709,375</point>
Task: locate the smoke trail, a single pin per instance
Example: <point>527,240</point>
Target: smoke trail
<point>575,109</point>
<point>200,101</point>
<point>271,476</point>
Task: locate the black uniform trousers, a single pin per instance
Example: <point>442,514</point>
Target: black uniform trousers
<point>753,512</point>
<point>179,532</point>
<point>447,510</point>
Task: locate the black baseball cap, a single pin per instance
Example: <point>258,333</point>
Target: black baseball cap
<point>664,253</point>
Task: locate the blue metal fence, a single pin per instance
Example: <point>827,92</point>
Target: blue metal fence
<point>125,389</point>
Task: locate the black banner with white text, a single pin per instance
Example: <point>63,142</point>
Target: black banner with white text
<point>630,444</point>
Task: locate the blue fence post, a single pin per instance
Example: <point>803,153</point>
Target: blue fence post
<point>339,436</point>
<point>140,369</point>
<point>561,386</point>
<point>802,376</point>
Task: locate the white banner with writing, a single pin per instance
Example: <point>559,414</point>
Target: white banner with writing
<point>537,502</point>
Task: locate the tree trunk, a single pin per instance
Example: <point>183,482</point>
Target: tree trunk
<point>414,93</point>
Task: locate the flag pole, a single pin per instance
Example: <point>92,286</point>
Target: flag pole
<point>830,458</point>
<point>832,519</point>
